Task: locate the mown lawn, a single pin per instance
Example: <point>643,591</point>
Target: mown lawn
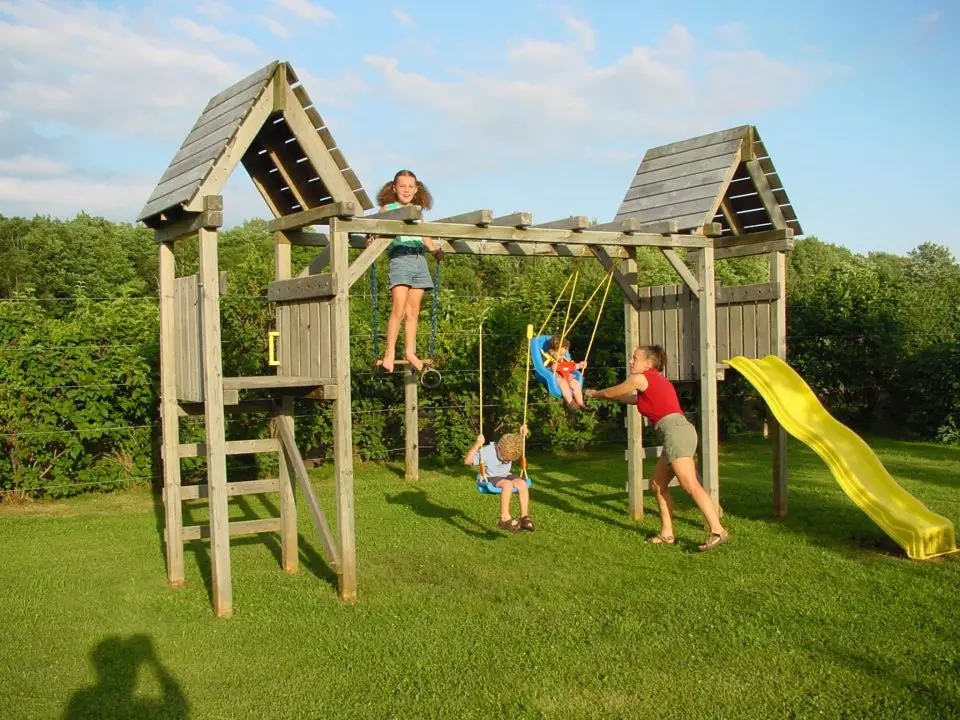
<point>814,615</point>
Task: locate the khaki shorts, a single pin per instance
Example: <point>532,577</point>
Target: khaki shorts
<point>678,437</point>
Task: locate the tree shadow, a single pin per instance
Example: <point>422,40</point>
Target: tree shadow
<point>117,662</point>
<point>418,501</point>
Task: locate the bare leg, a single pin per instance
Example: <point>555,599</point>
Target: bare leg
<point>662,475</point>
<point>506,492</point>
<point>577,394</point>
<point>565,391</point>
<point>523,493</point>
<point>687,475</point>
<point>398,294</point>
<point>410,328</point>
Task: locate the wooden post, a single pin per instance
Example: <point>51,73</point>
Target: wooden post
<point>342,419</point>
<point>412,423</point>
<point>215,437</point>
<point>170,424</point>
<point>709,440</point>
<point>778,334</point>
<point>634,422</point>
<point>288,507</point>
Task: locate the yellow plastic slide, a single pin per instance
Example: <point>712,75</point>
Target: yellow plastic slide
<point>921,533</point>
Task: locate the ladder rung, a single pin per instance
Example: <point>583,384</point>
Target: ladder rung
<point>267,382</point>
<point>237,527</point>
<point>248,487</point>
<point>233,447</point>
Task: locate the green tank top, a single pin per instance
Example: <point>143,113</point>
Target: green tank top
<point>403,240</point>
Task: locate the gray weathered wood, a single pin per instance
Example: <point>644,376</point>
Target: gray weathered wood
<point>648,178</point>
<point>702,207</point>
<point>308,239</point>
<point>709,440</point>
<point>260,77</point>
<point>763,329</point>
<point>316,512</point>
<point>733,221</point>
<point>727,149</point>
<point>749,330</point>
<point>209,219</point>
<point>237,527</point>
<point>649,202</point>
<point>404,212</point>
<point>574,222</point>
<point>747,293</point>
<point>476,217</point>
<point>635,450</point>
<point>295,221</point>
<point>170,426</point>
<point>283,413</point>
<point>326,339</point>
<point>215,444</point>
<point>516,220</point>
<point>303,338</point>
<point>411,425</point>
<point>689,363</point>
<point>633,225</point>
<point>681,267</point>
<point>269,382</point>
<point>305,288</point>
<point>342,419</point>
<point>672,330</point>
<point>778,341</point>
<point>770,203</point>
<point>626,287</point>
<point>708,178</point>
<point>723,333</point>
<point>230,447</point>
<point>249,487</point>
<point>313,345</point>
<point>736,330</point>
<point>698,142</point>
<point>503,233</point>
<point>236,407</point>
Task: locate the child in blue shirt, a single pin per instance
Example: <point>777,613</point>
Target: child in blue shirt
<point>497,459</point>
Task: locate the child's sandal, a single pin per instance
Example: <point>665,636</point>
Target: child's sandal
<point>526,523</point>
<point>510,525</point>
<point>662,540</point>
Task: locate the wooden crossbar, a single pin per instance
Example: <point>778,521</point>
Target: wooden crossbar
<point>236,527</point>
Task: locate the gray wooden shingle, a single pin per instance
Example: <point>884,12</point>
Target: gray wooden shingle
<point>686,181</point>
<point>206,141</point>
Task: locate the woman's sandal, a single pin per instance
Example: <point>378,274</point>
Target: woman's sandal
<point>510,525</point>
<point>715,540</point>
<point>662,540</point>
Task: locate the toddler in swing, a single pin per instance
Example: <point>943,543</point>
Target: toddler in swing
<point>497,459</point>
<point>409,274</point>
<point>559,360</point>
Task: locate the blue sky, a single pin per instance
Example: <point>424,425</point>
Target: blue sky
<point>523,105</point>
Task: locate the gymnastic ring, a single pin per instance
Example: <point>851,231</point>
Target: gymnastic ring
<point>431,378</point>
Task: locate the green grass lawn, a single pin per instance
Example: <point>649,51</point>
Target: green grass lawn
<point>816,615</point>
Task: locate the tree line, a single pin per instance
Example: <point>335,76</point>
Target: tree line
<point>875,335</point>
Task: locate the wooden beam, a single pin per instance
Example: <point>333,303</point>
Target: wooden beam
<point>712,229</point>
<point>504,233</point>
<point>411,425</point>
<point>271,382</point>
<point>574,222</point>
<point>283,414</point>
<point>785,245</point>
<point>308,239</point>
<point>295,221</point>
<point>170,425</point>
<point>748,293</point>
<point>237,527</point>
<point>516,220</point>
<point>476,217</point>
<point>367,258</point>
<point>635,452</point>
<point>778,337</point>
<point>307,288</point>
<point>682,270</point>
<point>770,203</point>
<point>249,487</point>
<point>342,417</point>
<point>211,217</point>
<point>754,238</point>
<point>316,512</point>
<point>231,447</point>
<point>404,212</point>
<point>629,293</point>
<point>215,444</point>
<point>707,311</point>
<point>192,409</point>
<point>634,225</point>
<point>731,217</point>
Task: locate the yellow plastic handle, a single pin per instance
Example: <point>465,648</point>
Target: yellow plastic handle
<point>272,343</point>
<point>529,332</point>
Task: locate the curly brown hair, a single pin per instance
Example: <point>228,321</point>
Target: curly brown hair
<point>554,343</point>
<point>388,193</point>
<point>510,447</point>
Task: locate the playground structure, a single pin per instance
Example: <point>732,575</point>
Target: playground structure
<point>715,196</point>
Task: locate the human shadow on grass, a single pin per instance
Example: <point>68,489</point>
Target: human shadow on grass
<point>117,662</point>
<point>418,501</point>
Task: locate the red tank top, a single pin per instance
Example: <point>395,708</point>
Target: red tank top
<point>659,399</point>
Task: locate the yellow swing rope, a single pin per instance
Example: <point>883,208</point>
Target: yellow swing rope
<point>526,394</point>
<point>590,299</point>
<point>596,323</point>
<point>550,314</point>
<point>483,468</point>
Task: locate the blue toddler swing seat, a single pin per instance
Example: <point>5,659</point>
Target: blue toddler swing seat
<point>543,373</point>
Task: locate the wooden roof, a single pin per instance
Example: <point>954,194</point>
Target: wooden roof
<point>708,179</point>
<point>266,121</point>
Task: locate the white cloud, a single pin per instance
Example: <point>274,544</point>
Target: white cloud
<point>585,32</point>
<point>214,36</point>
<point>306,10</point>
<point>275,26</point>
<point>926,24</point>
<point>403,18</point>
<point>327,91</point>
<point>32,165</point>
<point>733,34</point>
<point>63,197</point>
<point>214,10</point>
